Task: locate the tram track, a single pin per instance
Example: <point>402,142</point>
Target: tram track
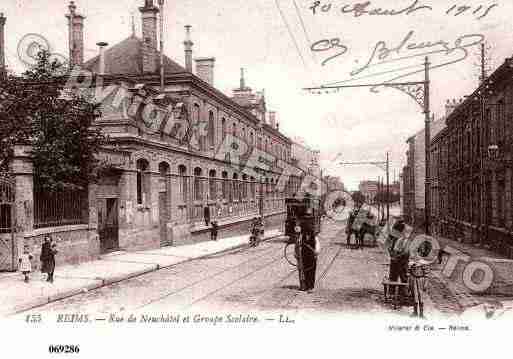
<point>210,294</point>
<point>210,277</point>
<point>323,274</point>
<point>248,275</point>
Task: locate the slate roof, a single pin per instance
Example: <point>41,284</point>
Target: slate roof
<point>125,58</point>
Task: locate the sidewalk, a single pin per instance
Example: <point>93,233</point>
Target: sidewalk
<point>70,280</point>
<point>452,274</point>
<point>468,249</point>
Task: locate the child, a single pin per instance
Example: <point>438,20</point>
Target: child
<point>25,263</point>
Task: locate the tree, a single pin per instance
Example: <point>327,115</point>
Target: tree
<point>35,110</point>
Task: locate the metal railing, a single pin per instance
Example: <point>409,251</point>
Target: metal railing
<point>6,204</point>
<point>60,208</point>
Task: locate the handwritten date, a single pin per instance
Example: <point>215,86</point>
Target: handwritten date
<point>480,11</point>
<point>359,9</point>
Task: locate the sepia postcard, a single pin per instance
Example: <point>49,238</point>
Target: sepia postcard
<point>240,178</point>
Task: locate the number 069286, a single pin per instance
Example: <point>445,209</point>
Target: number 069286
<point>65,349</point>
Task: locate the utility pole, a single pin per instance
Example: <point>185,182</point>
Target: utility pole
<point>378,197</point>
<point>382,193</point>
<point>412,89</point>
<point>427,131</point>
<point>388,189</point>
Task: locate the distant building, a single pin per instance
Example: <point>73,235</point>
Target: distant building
<point>334,183</point>
<point>414,175</point>
<point>369,189</point>
<point>302,155</point>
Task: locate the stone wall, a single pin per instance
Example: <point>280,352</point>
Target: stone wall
<point>75,244</point>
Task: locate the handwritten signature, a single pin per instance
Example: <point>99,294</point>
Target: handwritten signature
<point>407,48</point>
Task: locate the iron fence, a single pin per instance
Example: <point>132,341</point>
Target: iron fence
<point>60,208</point>
<point>6,204</point>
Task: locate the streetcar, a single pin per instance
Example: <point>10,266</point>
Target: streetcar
<point>306,210</point>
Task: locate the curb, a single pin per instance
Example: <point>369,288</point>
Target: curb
<point>104,282</point>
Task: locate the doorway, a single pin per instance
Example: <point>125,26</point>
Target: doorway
<point>108,228</point>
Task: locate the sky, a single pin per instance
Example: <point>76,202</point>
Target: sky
<point>272,40</point>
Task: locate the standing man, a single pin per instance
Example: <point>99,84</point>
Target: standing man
<point>307,249</point>
<point>206,214</point>
<point>399,252</point>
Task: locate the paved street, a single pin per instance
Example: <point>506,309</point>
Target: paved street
<point>254,279</point>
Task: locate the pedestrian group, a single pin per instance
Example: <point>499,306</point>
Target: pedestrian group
<point>47,258</point>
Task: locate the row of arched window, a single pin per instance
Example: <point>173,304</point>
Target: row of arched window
<point>214,187</point>
<point>264,143</point>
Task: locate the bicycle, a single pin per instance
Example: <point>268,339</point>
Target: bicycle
<point>409,293</point>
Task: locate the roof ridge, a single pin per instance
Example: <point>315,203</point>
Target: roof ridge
<point>129,53</point>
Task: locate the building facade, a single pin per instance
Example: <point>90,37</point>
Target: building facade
<point>479,175</point>
<point>438,189</point>
<point>178,149</point>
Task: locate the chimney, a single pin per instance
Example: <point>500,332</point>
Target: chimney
<point>205,69</point>
<point>76,35</point>
<point>101,66</point>
<point>272,119</point>
<point>149,36</point>
<point>188,48</point>
<point>2,43</point>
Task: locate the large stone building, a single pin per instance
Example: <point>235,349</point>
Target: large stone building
<point>479,161</point>
<point>175,148</point>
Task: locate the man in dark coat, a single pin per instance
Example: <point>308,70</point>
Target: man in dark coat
<point>47,258</point>
<point>308,251</point>
<point>206,214</point>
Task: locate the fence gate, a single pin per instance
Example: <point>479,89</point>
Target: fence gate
<point>7,225</point>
